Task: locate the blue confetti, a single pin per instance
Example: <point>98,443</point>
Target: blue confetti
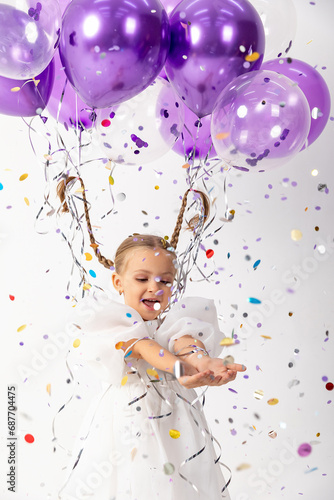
<point>256,264</point>
<point>128,315</point>
<point>92,273</point>
<point>128,354</point>
<point>1,186</point>
<point>252,300</point>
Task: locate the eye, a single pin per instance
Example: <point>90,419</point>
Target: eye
<point>142,280</point>
<point>166,283</point>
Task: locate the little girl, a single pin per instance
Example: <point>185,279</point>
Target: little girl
<point>145,435</point>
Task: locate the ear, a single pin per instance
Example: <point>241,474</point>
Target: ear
<point>117,281</point>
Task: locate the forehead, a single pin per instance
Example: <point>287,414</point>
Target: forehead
<point>154,260</point>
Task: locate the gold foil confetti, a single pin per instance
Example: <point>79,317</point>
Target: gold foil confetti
<point>272,401</point>
<point>23,177</point>
<point>174,433</point>
<point>21,328</point>
<point>296,234</point>
<point>76,343</point>
<point>258,394</point>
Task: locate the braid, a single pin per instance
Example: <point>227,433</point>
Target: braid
<point>61,193</point>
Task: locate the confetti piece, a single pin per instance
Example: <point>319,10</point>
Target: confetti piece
<point>88,256</point>
<point>296,235</point>
<point>209,253</point>
<point>252,300</point>
<point>304,450</point>
<point>87,286</point>
<point>169,468</point>
<point>124,380</point>
<point>27,201</point>
<point>111,180</point>
<point>226,341</point>
<point>48,389</point>
<point>156,188</point>
<point>252,57</point>
<point>94,245</point>
<point>258,394</point>
<point>119,345</point>
<point>22,327</point>
<point>29,438</point>
<point>186,165</point>
<point>272,401</point>
<point>232,390</point>
<point>329,386</point>
<point>272,434</point>
<point>266,337</point>
<point>222,135</point>
<point>12,297</point>
<point>76,343</point>
<point>15,89</point>
<point>256,264</point>
<point>152,373</point>
<point>1,186</point>
<point>23,177</point>
<point>174,433</point>
<point>243,466</point>
<point>92,273</point>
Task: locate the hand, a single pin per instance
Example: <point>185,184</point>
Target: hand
<point>225,372</point>
<point>190,377</point>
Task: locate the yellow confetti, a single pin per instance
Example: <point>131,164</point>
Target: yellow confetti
<point>15,89</point>
<point>119,345</point>
<point>156,188</point>
<point>87,286</point>
<point>227,341</point>
<point>111,180</point>
<point>88,256</point>
<point>243,466</point>
<point>318,434</point>
<point>23,177</point>
<point>272,401</point>
<point>94,245</point>
<point>174,433</point>
<point>124,380</point>
<point>252,57</point>
<point>133,453</point>
<point>48,389</point>
<point>26,201</point>
<point>186,165</point>
<point>306,209</point>
<point>152,373</point>
<point>254,427</point>
<point>48,157</point>
<point>309,42</point>
<point>222,135</point>
<point>76,343</point>
<point>266,336</point>
<point>258,394</point>
<point>22,327</point>
<point>36,82</point>
<point>296,235</point>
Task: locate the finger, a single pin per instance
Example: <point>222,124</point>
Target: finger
<point>236,367</point>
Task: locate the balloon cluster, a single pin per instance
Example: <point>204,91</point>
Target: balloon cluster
<point>144,77</point>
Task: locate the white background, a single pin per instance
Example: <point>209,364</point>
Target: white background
<point>35,269</point>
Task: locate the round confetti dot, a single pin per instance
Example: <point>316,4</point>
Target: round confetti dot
<point>272,434</point>
<point>29,438</point>
<point>161,353</point>
<point>152,373</point>
<point>128,315</point>
<point>304,450</point>
<point>272,401</point>
<point>76,343</point>
<point>316,228</point>
<point>296,235</point>
<point>12,297</point>
<point>23,177</point>
<point>174,433</point>
<point>168,468</point>
<point>119,345</point>
<point>92,273</point>
<point>156,188</point>
<point>1,186</point>
<point>209,253</point>
<point>156,306</point>
<point>106,123</point>
<point>329,386</point>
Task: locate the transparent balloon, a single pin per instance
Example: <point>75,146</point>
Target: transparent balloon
<point>143,128</point>
<point>260,121</point>
<point>279,19</point>
<point>29,36</point>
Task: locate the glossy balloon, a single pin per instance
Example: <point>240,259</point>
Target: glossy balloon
<point>143,128</point>
<point>195,137</point>
<point>26,97</point>
<point>29,35</point>
<point>211,44</point>
<point>170,5</point>
<point>113,49</point>
<point>260,121</point>
<point>72,110</point>
<point>314,87</point>
<point>279,18</point>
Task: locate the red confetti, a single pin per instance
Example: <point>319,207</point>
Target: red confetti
<point>29,438</point>
<point>209,253</point>
<point>12,297</point>
<point>106,123</point>
<point>329,386</point>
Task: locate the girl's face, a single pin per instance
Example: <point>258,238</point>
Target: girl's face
<point>146,280</point>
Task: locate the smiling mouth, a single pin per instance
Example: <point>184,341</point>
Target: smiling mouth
<point>151,304</point>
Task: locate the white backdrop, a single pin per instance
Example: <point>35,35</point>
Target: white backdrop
<point>293,281</point>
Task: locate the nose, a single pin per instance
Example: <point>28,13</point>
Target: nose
<point>153,286</point>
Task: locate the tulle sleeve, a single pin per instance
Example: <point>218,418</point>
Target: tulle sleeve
<point>97,334</point>
<point>193,316</point>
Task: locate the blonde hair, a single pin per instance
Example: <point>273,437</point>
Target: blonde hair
<point>136,240</point>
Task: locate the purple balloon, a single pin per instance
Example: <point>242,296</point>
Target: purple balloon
<point>260,121</point>
<point>31,99</point>
<point>113,49</point>
<point>211,44</point>
<point>195,134</point>
<point>170,5</point>
<point>314,87</point>
<point>72,110</point>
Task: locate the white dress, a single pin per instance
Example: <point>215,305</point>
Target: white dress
<point>145,436</point>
